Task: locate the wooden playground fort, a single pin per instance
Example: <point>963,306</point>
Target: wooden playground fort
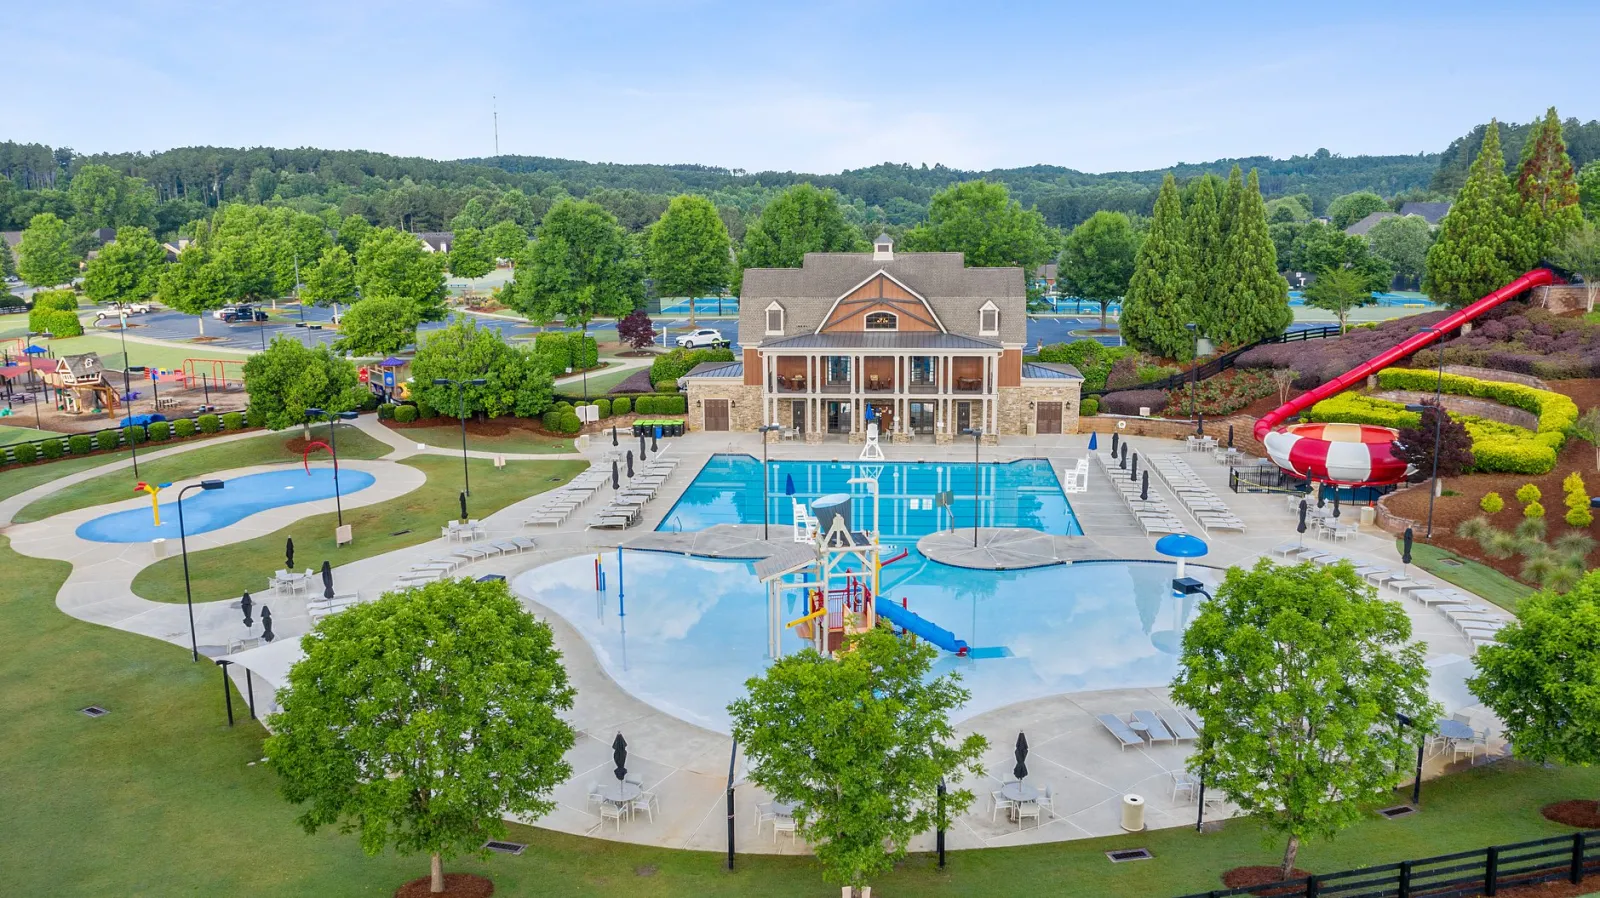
<point>80,385</point>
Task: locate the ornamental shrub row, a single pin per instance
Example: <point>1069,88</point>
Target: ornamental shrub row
<point>673,404</point>
<point>405,414</point>
<point>1496,447</point>
<point>112,438</point>
<point>1556,412</point>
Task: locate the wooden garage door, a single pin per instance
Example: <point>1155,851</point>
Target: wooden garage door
<point>1048,417</point>
<point>716,414</point>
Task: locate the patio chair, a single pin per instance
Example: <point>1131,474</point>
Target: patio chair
<point>1153,727</point>
<point>645,802</point>
<point>594,794</point>
<point>1178,724</point>
<point>783,825</point>
<point>1186,783</point>
<point>1120,730</point>
<point>764,814</point>
<point>609,811</point>
<point>1028,809</point>
<point>999,803</point>
<point>1048,802</point>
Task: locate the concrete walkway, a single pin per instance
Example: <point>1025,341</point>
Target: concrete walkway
<point>1008,549</point>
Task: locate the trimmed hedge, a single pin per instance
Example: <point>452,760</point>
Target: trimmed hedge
<point>569,423</point>
<point>24,453</point>
<point>233,421</point>
<point>621,405</point>
<point>107,440</point>
<point>134,434</point>
<point>604,407</point>
<point>1556,412</point>
<point>425,410</point>
<point>209,423</point>
<point>183,427</point>
<point>1128,402</point>
<point>1089,407</point>
<point>551,420</point>
<point>405,414</point>
<point>160,431</point>
<point>1496,447</point>
<point>80,444</point>
<point>386,412</point>
<point>55,321</point>
<point>52,449</point>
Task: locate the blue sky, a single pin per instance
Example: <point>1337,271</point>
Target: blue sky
<point>806,86</point>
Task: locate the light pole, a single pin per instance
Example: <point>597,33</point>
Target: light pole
<point>1194,382</point>
<point>333,447</point>
<point>977,440</point>
<point>1187,586</point>
<point>461,412</point>
<point>183,543</point>
<point>127,390</point>
<point>765,502</point>
<point>1416,784</point>
<point>1438,434</point>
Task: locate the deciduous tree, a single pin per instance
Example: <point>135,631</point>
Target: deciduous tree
<point>45,256</point>
<point>1157,303</point>
<point>505,239</point>
<point>980,220</point>
<point>859,745</point>
<point>517,383</point>
<point>377,325</point>
<point>331,280</point>
<point>106,198</point>
<point>288,377</point>
<point>1483,242</point>
<point>1579,253</point>
<point>353,232</point>
<point>1254,296</point>
<point>688,252</point>
<point>393,263</point>
<point>1415,445</point>
<point>1097,259</point>
<point>127,269</point>
<point>800,220</point>
<point>1589,189</point>
<point>1301,674</point>
<point>1352,207</point>
<point>1403,242</point>
<point>194,285</point>
<point>636,329</point>
<point>1340,291</point>
<point>1547,189</point>
<point>469,257</point>
<point>422,719</point>
<point>582,265</point>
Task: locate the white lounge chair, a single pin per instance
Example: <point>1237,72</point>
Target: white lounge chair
<point>1117,728</point>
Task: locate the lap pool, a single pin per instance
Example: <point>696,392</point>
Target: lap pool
<point>685,633</point>
<point>205,510</point>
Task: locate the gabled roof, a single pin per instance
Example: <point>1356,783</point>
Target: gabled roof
<point>1432,213</point>
<point>1360,228</point>
<point>828,318</point>
<point>717,369</point>
<point>438,241</point>
<point>880,340</point>
<point>1050,371</point>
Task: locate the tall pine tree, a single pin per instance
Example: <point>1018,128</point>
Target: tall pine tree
<point>1547,188</point>
<point>1255,297</point>
<point>1483,242</point>
<point>1156,307</point>
<point>1228,200</point>
<point>1205,252</point>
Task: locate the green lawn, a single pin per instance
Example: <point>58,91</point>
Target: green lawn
<point>1475,578</point>
<point>168,355</point>
<point>159,797</point>
<point>118,485</point>
<point>227,571</point>
<point>599,382</point>
<point>10,434</point>
<point>447,435</point>
<point>18,480</point>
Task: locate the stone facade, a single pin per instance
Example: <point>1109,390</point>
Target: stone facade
<point>744,403</point>
<point>1017,404</point>
<point>1561,298</point>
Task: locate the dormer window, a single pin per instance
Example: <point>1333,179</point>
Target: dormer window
<point>774,320</point>
<point>883,248</point>
<point>989,320</point>
<point>882,321</point>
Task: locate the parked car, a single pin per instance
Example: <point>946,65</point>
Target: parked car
<point>243,313</point>
<point>705,336</point>
<point>133,308</point>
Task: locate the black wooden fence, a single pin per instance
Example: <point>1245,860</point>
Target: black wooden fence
<point>1466,873</point>
<point>1225,361</point>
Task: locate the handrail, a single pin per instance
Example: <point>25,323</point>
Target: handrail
<point>1538,277</point>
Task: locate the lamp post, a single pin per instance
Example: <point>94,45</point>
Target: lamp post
<point>1438,434</point>
<point>183,543</point>
<point>1186,586</point>
<point>977,440</point>
<point>333,447</point>
<point>1194,382</point>
<point>461,412</point>
<point>127,390</point>
<point>1416,784</point>
<point>765,502</point>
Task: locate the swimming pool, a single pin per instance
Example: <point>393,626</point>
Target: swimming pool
<point>1022,493</point>
<point>205,510</point>
<point>695,628</point>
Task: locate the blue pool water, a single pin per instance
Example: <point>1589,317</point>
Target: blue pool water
<point>695,628</point>
<point>1022,493</point>
<point>205,510</point>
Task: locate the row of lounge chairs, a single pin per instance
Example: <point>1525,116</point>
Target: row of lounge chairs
<point>627,505</point>
<point>436,569</point>
<point>559,504</point>
<point>1150,727</point>
<point>1478,622</point>
<point>1152,513</point>
<point>1202,503</point>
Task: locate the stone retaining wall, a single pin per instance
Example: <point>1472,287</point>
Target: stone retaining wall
<point>1566,298</point>
<point>1507,377</point>
<point>1466,405</point>
<point>1393,523</point>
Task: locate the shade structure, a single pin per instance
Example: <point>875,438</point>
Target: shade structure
<point>391,362</point>
<point>1181,545</point>
<point>619,754</point>
<point>245,604</point>
<point>288,554</point>
<point>1093,443</point>
<point>35,350</point>
<point>616,475</point>
<point>266,625</point>
<point>1021,752</point>
<point>327,580</point>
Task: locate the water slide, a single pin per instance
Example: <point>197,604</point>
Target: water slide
<point>918,625</point>
<point>1362,454</point>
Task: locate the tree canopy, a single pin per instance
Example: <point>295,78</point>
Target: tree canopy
<point>1097,258</point>
<point>377,325</point>
<point>106,198</point>
<point>981,221</point>
<point>422,719</point>
<point>469,254</point>
<point>1204,254</point>
<point>1301,674</point>
<point>580,265</point>
<point>1340,291</point>
<point>127,269</point>
<point>1415,445</point>
<point>505,239</point>
<point>393,263</point>
<point>1254,297</point>
<point>1547,187</point>
<point>1156,307</point>
<point>800,220</point>
<point>517,382</point>
<point>1482,243</point>
<point>288,377</point>
<point>193,285</point>
<point>332,279</point>
<point>1403,243</point>
<point>1352,207</point>
<point>688,251</point>
<point>45,256</point>
<point>859,744</point>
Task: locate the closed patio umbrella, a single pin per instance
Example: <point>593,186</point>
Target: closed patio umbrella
<point>654,434</point>
<point>327,580</point>
<point>245,604</point>
<point>463,497</point>
<point>619,754</point>
<point>1144,488</point>
<point>1336,503</point>
<point>1021,770</point>
<point>266,624</point>
<point>616,476</point>
<point>788,484</point>
<point>1133,472</point>
<point>613,434</point>
<point>1113,443</point>
<point>1122,462</point>
<point>1200,423</point>
<point>1405,553</point>
<point>288,554</point>
<point>1322,497</point>
<point>1301,527</point>
<point>630,463</point>
<point>1093,444</point>
<point>642,456</point>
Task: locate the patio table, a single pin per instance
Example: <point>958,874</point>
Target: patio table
<point>1017,791</point>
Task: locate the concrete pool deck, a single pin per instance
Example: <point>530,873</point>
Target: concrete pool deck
<point>687,766</point>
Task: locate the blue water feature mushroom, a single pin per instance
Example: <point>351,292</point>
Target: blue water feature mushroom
<point>1181,546</point>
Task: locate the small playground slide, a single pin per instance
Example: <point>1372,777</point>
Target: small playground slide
<point>918,625</point>
<point>1358,455</point>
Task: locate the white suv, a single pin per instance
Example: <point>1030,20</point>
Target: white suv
<point>703,337</point>
<point>132,308</point>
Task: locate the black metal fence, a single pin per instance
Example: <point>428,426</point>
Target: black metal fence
<point>1264,477</point>
<point>1466,873</point>
<point>1225,361</point>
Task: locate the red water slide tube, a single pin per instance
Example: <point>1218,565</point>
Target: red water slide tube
<point>1311,455</point>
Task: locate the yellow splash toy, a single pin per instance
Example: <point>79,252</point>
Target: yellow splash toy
<point>155,503</point>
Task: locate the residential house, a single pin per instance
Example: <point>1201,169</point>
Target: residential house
<point>1432,213</point>
<point>436,241</point>
<point>917,343</point>
<point>1360,228</point>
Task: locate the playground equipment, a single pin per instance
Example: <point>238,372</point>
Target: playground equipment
<point>305,456</point>
<point>1363,454</point>
<point>80,382</point>
<point>155,503</point>
<point>215,370</point>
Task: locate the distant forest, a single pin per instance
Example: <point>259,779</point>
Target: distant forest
<point>424,194</point>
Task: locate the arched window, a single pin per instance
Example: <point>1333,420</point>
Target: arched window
<point>989,319</point>
<point>774,319</point>
<point>882,321</point>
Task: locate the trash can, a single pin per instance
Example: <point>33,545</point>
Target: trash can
<point>1369,516</point>
<point>1133,813</point>
<point>158,548</point>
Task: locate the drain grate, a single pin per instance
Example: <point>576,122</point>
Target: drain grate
<point>505,847</point>
<point>1124,855</point>
<point>1450,562</point>
<point>93,711</point>
<point>401,532</point>
<point>1397,811</point>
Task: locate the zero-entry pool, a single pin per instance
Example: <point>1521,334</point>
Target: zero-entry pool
<point>682,634</point>
<point>205,510</point>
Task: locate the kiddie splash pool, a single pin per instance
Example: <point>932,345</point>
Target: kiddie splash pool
<point>205,510</point>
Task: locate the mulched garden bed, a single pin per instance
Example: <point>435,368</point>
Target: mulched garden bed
<point>487,427</point>
<point>456,885</point>
<point>1580,813</point>
<point>1240,877</point>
